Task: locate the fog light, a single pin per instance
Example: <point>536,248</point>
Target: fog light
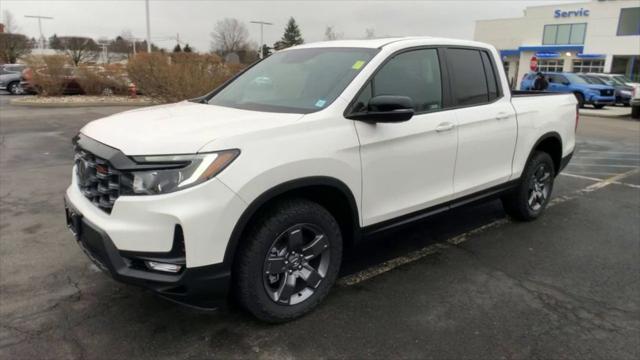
<point>158,266</point>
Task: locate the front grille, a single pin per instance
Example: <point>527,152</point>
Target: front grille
<point>606,92</point>
<point>98,180</point>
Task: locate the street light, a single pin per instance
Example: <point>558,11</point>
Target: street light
<point>40,18</point>
<point>262,24</point>
<point>146,4</point>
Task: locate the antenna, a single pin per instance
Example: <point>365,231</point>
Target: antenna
<point>40,18</point>
<point>262,24</point>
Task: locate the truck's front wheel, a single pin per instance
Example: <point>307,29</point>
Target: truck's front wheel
<point>289,260</point>
<point>532,195</point>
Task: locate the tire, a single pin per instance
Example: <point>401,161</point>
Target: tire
<point>598,106</point>
<point>635,112</point>
<point>518,204</point>
<point>580,99</point>
<point>14,88</point>
<point>276,291</point>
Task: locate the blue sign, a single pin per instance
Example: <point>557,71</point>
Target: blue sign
<point>590,56</point>
<point>572,13</point>
<point>547,54</point>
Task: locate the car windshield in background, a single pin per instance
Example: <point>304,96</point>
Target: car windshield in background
<point>295,81</point>
<point>594,80</point>
<point>618,80</point>
<point>576,79</point>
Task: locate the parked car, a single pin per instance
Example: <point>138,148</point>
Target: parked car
<point>635,102</point>
<point>10,75</point>
<point>617,78</point>
<point>597,95</point>
<point>623,92</point>
<point>258,186</point>
<point>70,81</point>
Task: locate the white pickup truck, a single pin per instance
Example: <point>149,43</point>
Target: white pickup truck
<point>254,189</point>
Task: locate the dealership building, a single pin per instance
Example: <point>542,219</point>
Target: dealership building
<point>595,36</point>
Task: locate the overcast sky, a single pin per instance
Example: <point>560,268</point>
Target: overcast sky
<point>194,20</point>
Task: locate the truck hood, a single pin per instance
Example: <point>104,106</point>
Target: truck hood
<point>181,128</point>
<point>598,87</point>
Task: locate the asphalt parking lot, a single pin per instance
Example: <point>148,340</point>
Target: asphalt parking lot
<point>468,284</point>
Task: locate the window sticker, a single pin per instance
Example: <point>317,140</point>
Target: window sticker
<point>320,103</point>
<point>358,64</point>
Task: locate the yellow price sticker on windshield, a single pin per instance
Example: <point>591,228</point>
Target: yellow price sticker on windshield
<point>358,64</point>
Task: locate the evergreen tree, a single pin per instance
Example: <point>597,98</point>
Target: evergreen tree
<point>292,35</point>
<point>187,48</point>
<point>177,48</point>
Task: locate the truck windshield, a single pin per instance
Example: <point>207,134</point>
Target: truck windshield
<point>295,81</point>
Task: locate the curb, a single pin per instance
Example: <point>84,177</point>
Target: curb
<point>17,102</point>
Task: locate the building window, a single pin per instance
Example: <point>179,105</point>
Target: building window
<point>629,23</point>
<point>550,65</point>
<point>564,34</point>
<point>588,66</point>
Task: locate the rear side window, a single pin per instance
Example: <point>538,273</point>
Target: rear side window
<point>469,81</point>
<point>492,77</point>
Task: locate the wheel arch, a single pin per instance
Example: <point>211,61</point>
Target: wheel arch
<point>329,192</point>
<point>551,143</point>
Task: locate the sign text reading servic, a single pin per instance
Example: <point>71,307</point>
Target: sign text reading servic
<point>572,13</point>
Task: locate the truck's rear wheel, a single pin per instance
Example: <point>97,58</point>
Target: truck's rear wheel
<point>530,198</point>
<point>289,260</point>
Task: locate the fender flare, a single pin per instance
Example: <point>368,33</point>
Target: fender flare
<point>272,193</point>
<point>550,134</point>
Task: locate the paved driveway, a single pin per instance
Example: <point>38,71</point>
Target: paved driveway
<point>468,284</point>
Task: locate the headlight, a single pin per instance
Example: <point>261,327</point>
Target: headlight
<point>625,92</point>
<point>177,172</point>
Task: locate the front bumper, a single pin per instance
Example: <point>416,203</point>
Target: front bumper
<point>202,287</point>
<point>601,100</point>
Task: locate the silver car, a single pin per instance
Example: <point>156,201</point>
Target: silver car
<point>10,75</point>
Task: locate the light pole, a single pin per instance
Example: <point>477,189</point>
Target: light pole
<point>40,27</point>
<point>146,4</point>
<point>262,24</point>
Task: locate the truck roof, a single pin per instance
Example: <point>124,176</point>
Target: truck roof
<point>379,43</point>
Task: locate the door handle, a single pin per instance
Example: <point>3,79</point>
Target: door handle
<point>445,127</point>
<point>502,116</point>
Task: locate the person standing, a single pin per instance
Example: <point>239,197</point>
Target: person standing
<point>540,83</point>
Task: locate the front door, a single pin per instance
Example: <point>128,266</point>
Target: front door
<point>407,166</point>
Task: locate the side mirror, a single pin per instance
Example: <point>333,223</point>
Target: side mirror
<point>566,83</point>
<point>386,108</point>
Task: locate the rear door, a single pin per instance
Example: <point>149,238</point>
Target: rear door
<point>407,166</point>
<point>487,127</point>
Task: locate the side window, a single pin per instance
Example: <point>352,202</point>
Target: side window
<point>492,78</point>
<point>415,74</point>
<point>469,81</point>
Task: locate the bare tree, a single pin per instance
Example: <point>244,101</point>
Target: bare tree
<point>9,22</point>
<point>369,33</point>
<point>330,34</point>
<point>12,45</point>
<point>229,35</point>
<point>79,49</point>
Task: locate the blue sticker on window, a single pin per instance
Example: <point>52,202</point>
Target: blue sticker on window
<point>320,103</point>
